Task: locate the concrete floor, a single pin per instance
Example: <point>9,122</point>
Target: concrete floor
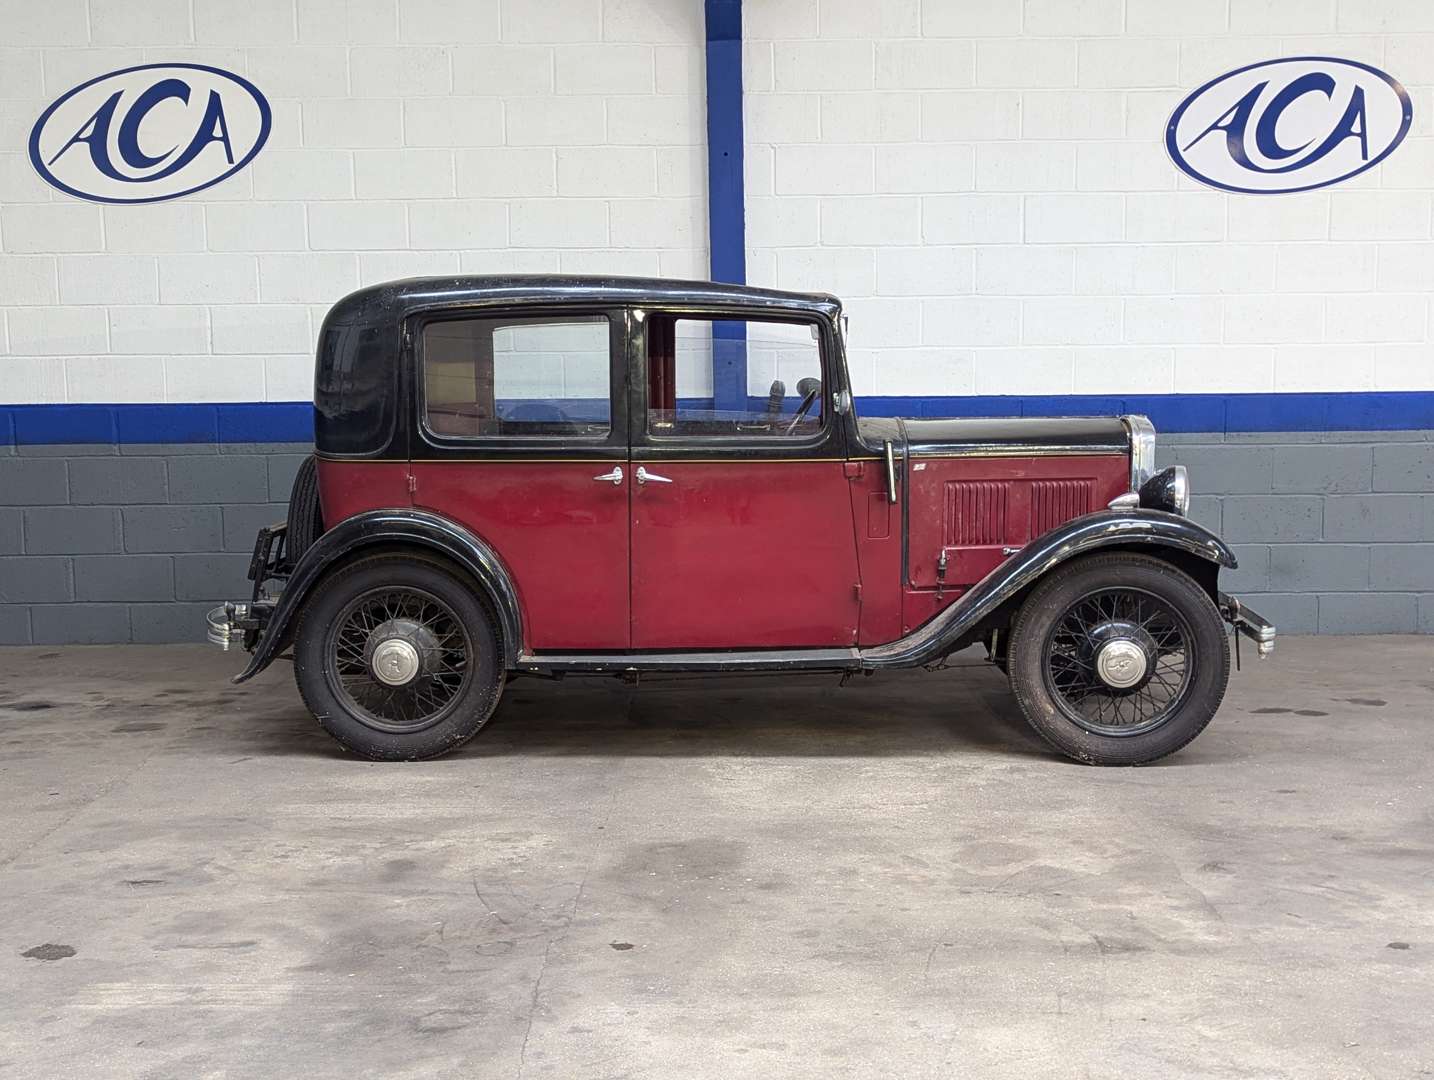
<point>764,878</point>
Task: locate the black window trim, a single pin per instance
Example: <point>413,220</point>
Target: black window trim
<point>612,444</point>
<point>829,442</point>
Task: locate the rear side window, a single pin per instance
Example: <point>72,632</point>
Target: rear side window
<point>733,378</point>
<point>516,377</point>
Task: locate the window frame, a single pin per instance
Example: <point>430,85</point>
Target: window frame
<point>829,441</point>
<point>609,444</point>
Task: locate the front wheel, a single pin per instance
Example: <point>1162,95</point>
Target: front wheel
<point>398,658</point>
<point>1119,659</point>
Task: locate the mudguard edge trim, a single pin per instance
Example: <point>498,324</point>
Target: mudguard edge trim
<point>1079,536</point>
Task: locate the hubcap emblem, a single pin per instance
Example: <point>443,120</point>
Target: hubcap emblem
<point>395,662</point>
<point>1120,663</point>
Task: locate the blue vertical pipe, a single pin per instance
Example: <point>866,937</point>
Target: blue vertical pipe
<point>726,212</point>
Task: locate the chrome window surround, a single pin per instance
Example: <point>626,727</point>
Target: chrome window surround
<point>1142,448</point>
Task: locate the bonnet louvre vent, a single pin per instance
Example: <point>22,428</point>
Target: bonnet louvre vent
<point>1054,502</point>
<point>976,512</point>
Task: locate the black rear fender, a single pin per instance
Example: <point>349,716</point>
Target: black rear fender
<point>399,530</point>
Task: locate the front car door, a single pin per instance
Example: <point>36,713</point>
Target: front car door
<point>741,514</point>
<point>522,439</point>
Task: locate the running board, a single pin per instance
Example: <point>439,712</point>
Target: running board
<point>754,660</point>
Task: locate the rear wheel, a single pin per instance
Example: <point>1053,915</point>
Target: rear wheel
<point>398,658</point>
<point>1119,659</point>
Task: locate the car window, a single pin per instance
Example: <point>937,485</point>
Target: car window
<point>515,377</point>
<point>734,378</point>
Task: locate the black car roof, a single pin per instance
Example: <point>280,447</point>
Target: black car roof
<point>357,372</point>
<point>395,299</point>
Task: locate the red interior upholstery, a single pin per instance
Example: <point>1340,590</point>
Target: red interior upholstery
<point>662,363</point>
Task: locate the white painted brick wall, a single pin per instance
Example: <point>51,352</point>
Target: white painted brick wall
<point>984,183</point>
<point>1031,135</point>
<point>410,137</point>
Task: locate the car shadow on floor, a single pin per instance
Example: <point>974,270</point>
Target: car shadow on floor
<point>773,716</point>
<point>892,714</point>
<point>967,709</point>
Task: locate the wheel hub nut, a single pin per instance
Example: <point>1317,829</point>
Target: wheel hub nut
<point>1120,663</point>
<point>394,662</point>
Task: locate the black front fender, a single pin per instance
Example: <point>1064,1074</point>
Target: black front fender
<point>398,528</point>
<point>1079,536</point>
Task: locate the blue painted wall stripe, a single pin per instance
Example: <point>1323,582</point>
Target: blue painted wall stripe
<point>1193,413</point>
<point>293,421</point>
<point>726,222</point>
<point>726,191</point>
<point>257,422</point>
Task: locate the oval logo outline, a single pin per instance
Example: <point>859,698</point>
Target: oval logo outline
<point>265,117</point>
<point>1181,162</point>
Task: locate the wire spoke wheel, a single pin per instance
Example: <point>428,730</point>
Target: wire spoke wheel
<point>398,658</point>
<point>1119,658</point>
<point>1119,661</point>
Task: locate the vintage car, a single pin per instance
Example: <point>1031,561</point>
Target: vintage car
<point>553,476</point>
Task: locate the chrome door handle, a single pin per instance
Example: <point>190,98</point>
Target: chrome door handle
<point>890,472</point>
<point>643,477</point>
<point>615,476</point>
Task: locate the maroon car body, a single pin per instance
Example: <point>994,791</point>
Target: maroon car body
<point>612,477</point>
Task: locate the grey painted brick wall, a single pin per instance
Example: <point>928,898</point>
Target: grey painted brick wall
<point>1334,532</point>
<point>131,543</point>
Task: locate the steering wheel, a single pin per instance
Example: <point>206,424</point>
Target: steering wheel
<point>810,389</point>
<point>775,396</point>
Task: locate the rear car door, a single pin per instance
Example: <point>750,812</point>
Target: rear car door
<point>523,440</point>
<point>741,514</point>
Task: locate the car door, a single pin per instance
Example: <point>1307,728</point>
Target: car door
<point>523,440</point>
<point>741,515</point>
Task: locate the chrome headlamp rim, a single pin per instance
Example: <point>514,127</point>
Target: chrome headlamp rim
<point>1167,490</point>
<point>1180,490</point>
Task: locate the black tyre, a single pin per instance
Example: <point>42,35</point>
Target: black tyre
<point>306,519</point>
<point>1119,659</point>
<point>398,658</point>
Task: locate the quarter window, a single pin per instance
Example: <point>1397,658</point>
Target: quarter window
<point>733,378</point>
<point>496,377</point>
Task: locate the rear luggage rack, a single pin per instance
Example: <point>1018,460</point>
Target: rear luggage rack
<point>271,557</point>
<point>240,623</point>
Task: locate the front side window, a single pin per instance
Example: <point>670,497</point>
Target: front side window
<point>516,377</point>
<point>733,378</point>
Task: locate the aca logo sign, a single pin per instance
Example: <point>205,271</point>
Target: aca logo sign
<point>1288,125</point>
<point>149,133</point>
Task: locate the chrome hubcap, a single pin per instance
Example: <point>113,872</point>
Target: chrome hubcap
<point>397,651</point>
<point>395,662</point>
<point>1121,663</point>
